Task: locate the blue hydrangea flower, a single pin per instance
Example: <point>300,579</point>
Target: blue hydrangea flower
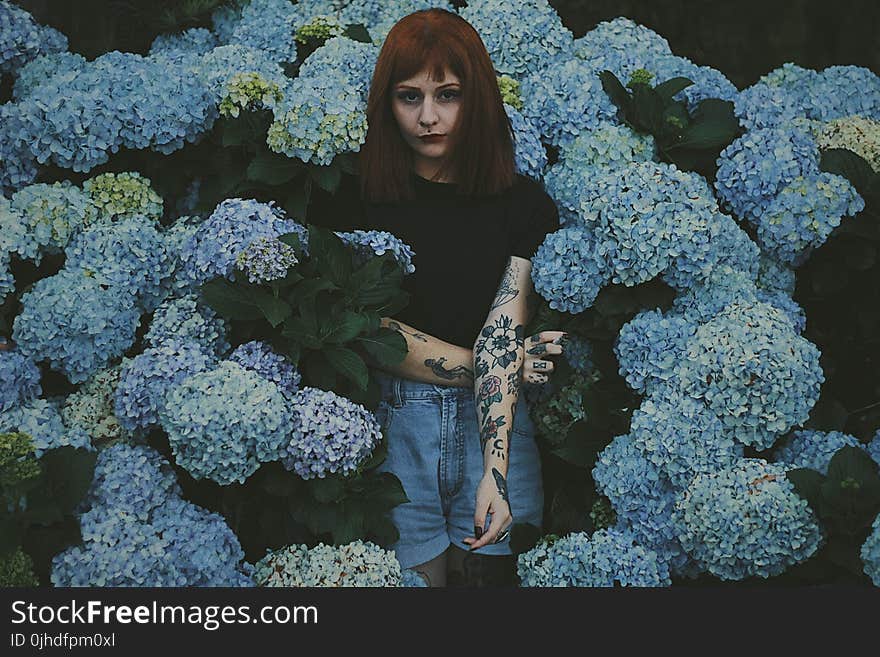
<point>262,359</point>
<point>773,276</point>
<point>753,371</point>
<point>786,304</point>
<point>603,149</point>
<point>35,72</point>
<point>610,557</point>
<point>222,423</point>
<point>76,323</point>
<point>181,545</point>
<point>521,38</point>
<point>681,438</point>
<point>746,521</point>
<point>804,213</point>
<point>359,563</point>
<point>18,166</point>
<point>331,434</point>
<point>643,498</point>
<point>127,255</point>
<point>654,217</point>
<point>186,319</point>
<point>225,18</point>
<point>378,16</point>
<point>650,346</point>
<point>40,419</point>
<point>7,280</point>
<point>20,377</point>
<point>133,478</point>
<point>707,81</point>
<point>874,447</point>
<point>269,26</point>
<point>722,287</point>
<point>22,39</point>
<point>813,449</point>
<point>52,214</point>
<point>324,109</point>
<point>266,259</point>
<point>754,168</point>
<point>212,249</point>
<point>119,100</point>
<point>531,158</point>
<point>620,46</point>
<point>569,269</point>
<point>367,243</point>
<point>196,41</point>
<point>145,380</point>
<point>217,68</point>
<point>870,553</point>
<point>565,100</point>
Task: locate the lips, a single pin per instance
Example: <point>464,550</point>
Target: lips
<point>431,137</point>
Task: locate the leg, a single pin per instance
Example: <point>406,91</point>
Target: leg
<point>433,571</point>
<point>480,570</point>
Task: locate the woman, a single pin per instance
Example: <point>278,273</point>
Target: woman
<point>437,171</point>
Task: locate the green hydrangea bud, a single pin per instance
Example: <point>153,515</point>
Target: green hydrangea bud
<point>509,89</point>
<point>318,30</point>
<point>602,514</point>
<point>640,76</point>
<point>17,569</point>
<point>249,91</point>
<point>562,409</point>
<point>17,461</point>
<point>119,196</point>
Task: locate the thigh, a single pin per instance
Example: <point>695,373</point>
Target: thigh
<point>412,432</point>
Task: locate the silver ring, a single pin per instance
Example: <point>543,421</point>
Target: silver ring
<point>502,536</point>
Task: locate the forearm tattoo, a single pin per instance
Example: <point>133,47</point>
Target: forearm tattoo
<point>501,344</point>
<point>501,484</point>
<point>507,290</point>
<point>397,327</point>
<point>458,372</point>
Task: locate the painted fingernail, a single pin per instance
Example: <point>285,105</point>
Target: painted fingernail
<point>478,531</point>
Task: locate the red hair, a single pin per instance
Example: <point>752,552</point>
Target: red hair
<point>481,153</point>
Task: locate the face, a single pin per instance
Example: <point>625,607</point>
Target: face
<point>423,106</point>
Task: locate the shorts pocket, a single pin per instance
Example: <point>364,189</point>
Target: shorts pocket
<point>384,413</point>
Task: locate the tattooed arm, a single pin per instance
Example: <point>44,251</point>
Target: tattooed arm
<point>430,359</point>
<point>499,354</point>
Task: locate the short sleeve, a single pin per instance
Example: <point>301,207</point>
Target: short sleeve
<point>341,211</point>
<point>534,216</point>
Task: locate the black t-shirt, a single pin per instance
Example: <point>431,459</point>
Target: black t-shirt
<point>461,245</point>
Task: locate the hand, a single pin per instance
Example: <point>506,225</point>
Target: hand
<point>492,499</point>
<point>536,367</point>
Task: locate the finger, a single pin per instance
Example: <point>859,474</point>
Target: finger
<point>532,377</point>
<point>543,366</point>
<point>498,525</point>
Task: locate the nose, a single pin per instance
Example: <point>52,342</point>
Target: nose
<point>428,115</point>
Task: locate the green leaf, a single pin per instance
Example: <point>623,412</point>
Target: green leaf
<point>327,177</point>
<point>380,453</point>
<point>272,169</point>
<point>11,532</point>
<point>853,463</point>
<point>229,301</point>
<point>851,166</point>
<point>524,536</point>
<point>297,202</point>
<point>275,310</point>
<point>349,364</point>
<point>615,90</point>
<point>713,125</point>
<point>235,132</point>
<point>387,492</point>
<point>386,345</point>
<point>328,489</point>
<point>808,484</point>
<point>666,90</point>
<point>357,32</point>
<point>348,327</point>
<point>349,524</point>
<point>332,255</point>
<point>646,109</point>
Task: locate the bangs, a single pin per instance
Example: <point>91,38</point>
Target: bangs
<point>428,55</point>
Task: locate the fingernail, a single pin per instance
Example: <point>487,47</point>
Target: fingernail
<point>478,531</point>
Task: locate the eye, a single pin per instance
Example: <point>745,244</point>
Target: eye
<point>408,96</point>
<point>450,94</point>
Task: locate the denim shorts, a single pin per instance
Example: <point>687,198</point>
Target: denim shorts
<point>434,449</point>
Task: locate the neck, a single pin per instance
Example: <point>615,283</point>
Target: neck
<point>428,170</point>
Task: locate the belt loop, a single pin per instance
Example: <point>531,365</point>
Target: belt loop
<point>396,394</point>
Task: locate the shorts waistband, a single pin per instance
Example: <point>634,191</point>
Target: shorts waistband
<point>397,389</point>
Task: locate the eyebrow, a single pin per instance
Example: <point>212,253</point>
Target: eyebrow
<point>442,86</point>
